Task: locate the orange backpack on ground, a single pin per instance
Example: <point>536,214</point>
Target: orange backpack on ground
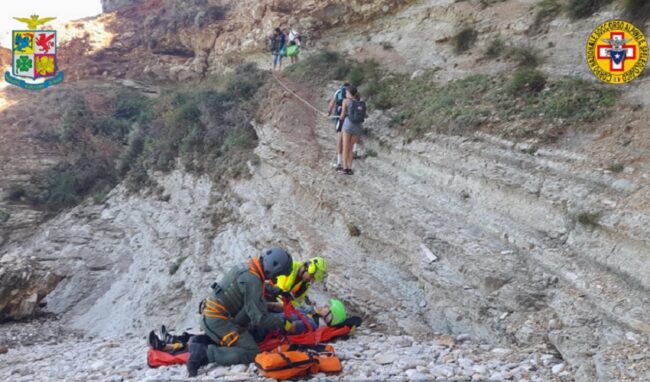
<point>286,365</point>
<point>290,361</point>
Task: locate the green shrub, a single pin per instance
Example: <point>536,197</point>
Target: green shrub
<point>186,114</point>
<point>589,218</point>
<point>496,48</point>
<point>216,12</point>
<point>637,10</point>
<point>356,76</point>
<point>584,8</point>
<point>131,105</point>
<point>112,128</point>
<point>487,3</point>
<point>204,125</point>
<point>387,45</point>
<point>370,153</point>
<point>137,178</point>
<point>383,101</point>
<point>547,10</point>
<point>132,152</point>
<point>524,56</point>
<point>100,197</point>
<point>16,193</point>
<point>319,68</point>
<point>199,124</point>
<point>4,216</point>
<point>526,81</point>
<point>578,100</point>
<point>616,167</point>
<point>76,118</point>
<point>66,184</point>
<point>464,40</point>
<point>240,139</point>
<point>357,73</point>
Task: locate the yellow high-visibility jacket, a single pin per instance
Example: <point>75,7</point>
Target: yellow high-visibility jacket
<point>291,283</point>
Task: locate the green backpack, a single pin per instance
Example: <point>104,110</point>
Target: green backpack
<point>293,50</point>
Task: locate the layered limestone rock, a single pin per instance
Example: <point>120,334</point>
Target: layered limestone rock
<point>23,284</point>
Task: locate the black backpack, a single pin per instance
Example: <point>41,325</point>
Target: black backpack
<point>340,96</point>
<point>357,111</point>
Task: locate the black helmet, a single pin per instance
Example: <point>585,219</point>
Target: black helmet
<point>276,262</point>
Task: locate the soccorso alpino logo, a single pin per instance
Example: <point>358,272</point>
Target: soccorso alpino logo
<point>617,52</point>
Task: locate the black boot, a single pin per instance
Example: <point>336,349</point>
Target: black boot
<point>155,342</point>
<point>198,358</point>
<point>164,334</point>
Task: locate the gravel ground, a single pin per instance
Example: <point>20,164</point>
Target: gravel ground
<point>366,355</point>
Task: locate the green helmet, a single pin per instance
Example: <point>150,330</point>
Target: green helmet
<point>318,268</point>
<point>338,312</point>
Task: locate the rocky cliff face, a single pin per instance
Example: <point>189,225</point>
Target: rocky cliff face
<point>514,263</point>
<point>114,5</point>
<point>23,284</point>
<point>538,249</point>
<point>181,40</point>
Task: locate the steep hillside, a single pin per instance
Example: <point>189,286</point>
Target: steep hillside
<point>531,195</point>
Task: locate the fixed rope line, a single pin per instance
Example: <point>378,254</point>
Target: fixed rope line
<point>297,96</point>
<point>320,193</point>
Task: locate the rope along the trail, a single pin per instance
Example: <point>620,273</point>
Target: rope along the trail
<point>320,193</point>
<point>296,95</point>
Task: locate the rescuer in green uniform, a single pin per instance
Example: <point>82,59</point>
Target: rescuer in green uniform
<point>235,303</point>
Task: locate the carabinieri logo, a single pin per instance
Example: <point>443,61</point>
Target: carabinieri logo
<point>617,52</point>
<point>34,56</point>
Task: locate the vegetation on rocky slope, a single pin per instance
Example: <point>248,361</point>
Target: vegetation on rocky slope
<point>525,104</point>
<point>584,8</point>
<point>206,125</point>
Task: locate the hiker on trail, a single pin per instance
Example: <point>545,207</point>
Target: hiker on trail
<point>297,283</point>
<point>335,106</point>
<point>294,36</point>
<point>353,114</point>
<point>295,44</point>
<point>293,51</point>
<point>278,48</point>
<point>235,303</point>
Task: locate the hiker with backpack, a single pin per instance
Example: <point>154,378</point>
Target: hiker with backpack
<point>353,114</point>
<point>335,105</point>
<point>293,51</point>
<point>235,303</point>
<point>278,48</point>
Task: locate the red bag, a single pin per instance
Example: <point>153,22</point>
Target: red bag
<point>322,334</point>
<point>157,358</point>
